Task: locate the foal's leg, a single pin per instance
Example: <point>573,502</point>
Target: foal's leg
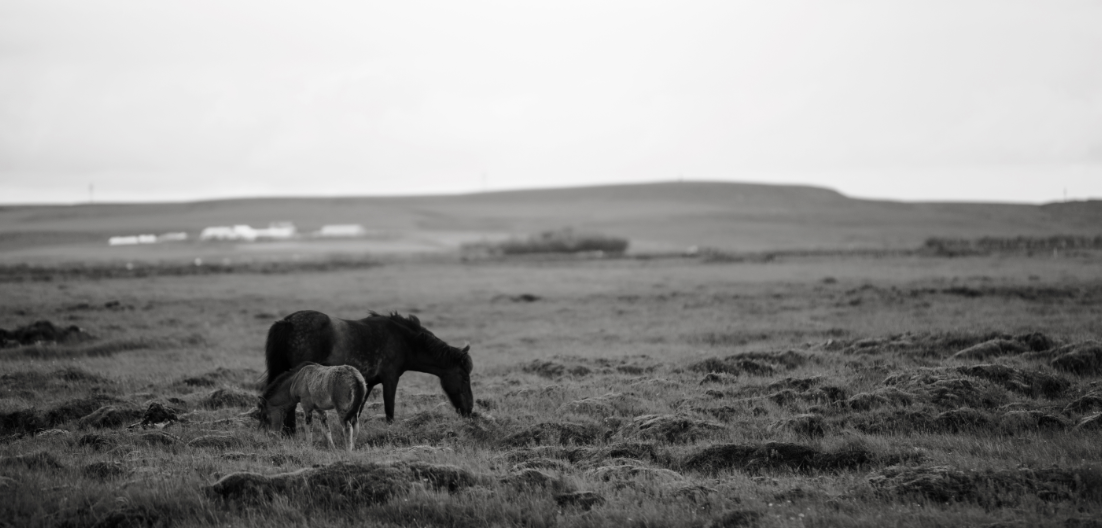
<point>309,411</point>
<point>350,430</point>
<point>328,433</point>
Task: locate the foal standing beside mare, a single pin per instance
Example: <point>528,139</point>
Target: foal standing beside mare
<point>381,347</point>
<point>320,389</point>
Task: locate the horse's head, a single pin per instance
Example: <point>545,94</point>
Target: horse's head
<point>456,382</point>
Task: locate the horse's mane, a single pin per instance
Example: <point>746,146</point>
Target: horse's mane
<point>432,344</point>
<point>281,379</point>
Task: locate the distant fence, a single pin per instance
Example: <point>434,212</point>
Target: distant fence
<point>1018,244</point>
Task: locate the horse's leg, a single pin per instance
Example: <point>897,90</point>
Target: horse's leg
<point>289,423</point>
<point>367,394</point>
<point>309,425</point>
<point>390,386</point>
<point>325,425</point>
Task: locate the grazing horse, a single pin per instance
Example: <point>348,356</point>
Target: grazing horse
<point>320,389</point>
<point>381,347</point>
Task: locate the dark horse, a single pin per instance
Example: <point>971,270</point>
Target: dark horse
<point>381,347</point>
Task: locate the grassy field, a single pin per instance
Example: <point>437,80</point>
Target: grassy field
<point>804,391</point>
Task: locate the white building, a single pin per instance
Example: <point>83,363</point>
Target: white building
<point>341,230</point>
<point>131,240</point>
<point>172,237</point>
<point>275,230</point>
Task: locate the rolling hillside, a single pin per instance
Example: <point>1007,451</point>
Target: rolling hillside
<point>656,217</point>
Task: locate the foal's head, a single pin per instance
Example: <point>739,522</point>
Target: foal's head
<point>273,401</point>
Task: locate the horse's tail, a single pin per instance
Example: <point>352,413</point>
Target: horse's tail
<point>359,396</point>
<point>277,355</point>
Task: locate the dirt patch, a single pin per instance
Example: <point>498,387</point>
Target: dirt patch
<point>583,500</point>
<point>988,488</point>
<point>158,415</point>
<point>552,433</point>
<point>1028,383</point>
<point>738,519</point>
<point>42,332</point>
<point>110,416</point>
<point>229,397</point>
<point>670,428</point>
<point>1084,359</point>
<point>778,455</point>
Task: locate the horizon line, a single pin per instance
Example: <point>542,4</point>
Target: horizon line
<point>532,188</point>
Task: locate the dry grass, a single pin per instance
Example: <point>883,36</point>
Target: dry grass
<point>638,393</point>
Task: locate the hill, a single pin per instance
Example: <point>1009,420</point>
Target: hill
<point>656,217</point>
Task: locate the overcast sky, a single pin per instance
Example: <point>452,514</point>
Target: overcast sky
<point>958,100</point>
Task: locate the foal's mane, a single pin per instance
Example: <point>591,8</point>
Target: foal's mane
<point>435,346</point>
<point>281,380</point>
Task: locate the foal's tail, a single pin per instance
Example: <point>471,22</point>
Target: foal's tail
<point>276,352</point>
<point>359,397</point>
